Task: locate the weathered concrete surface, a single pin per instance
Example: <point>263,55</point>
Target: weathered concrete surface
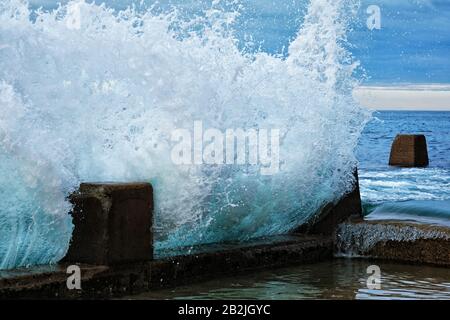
<point>276,252</point>
<point>205,263</point>
<point>394,240</point>
<point>330,216</point>
<point>409,151</point>
<point>112,224</point>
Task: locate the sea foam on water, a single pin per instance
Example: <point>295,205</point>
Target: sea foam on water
<point>97,100</point>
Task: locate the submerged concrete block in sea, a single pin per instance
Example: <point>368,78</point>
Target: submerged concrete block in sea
<point>409,151</point>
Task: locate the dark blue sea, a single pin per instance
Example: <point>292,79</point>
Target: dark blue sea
<point>419,194</point>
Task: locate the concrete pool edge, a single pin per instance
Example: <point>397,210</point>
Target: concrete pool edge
<point>394,240</point>
<point>128,279</point>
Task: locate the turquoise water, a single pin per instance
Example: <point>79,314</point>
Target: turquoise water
<point>418,194</point>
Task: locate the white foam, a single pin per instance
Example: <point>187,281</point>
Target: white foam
<point>100,103</point>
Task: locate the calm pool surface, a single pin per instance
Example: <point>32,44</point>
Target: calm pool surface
<point>338,279</point>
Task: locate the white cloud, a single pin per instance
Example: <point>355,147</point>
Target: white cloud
<point>406,97</point>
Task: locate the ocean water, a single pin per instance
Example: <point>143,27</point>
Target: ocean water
<point>416,194</point>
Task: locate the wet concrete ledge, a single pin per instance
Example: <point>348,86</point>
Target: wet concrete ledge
<point>101,281</point>
<point>395,240</point>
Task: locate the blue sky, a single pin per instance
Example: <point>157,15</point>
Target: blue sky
<point>412,46</point>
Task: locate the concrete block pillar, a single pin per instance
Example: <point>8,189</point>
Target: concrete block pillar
<point>112,224</point>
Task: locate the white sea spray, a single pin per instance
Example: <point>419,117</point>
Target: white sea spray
<point>99,103</point>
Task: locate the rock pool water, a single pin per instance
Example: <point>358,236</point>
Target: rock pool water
<point>337,279</point>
